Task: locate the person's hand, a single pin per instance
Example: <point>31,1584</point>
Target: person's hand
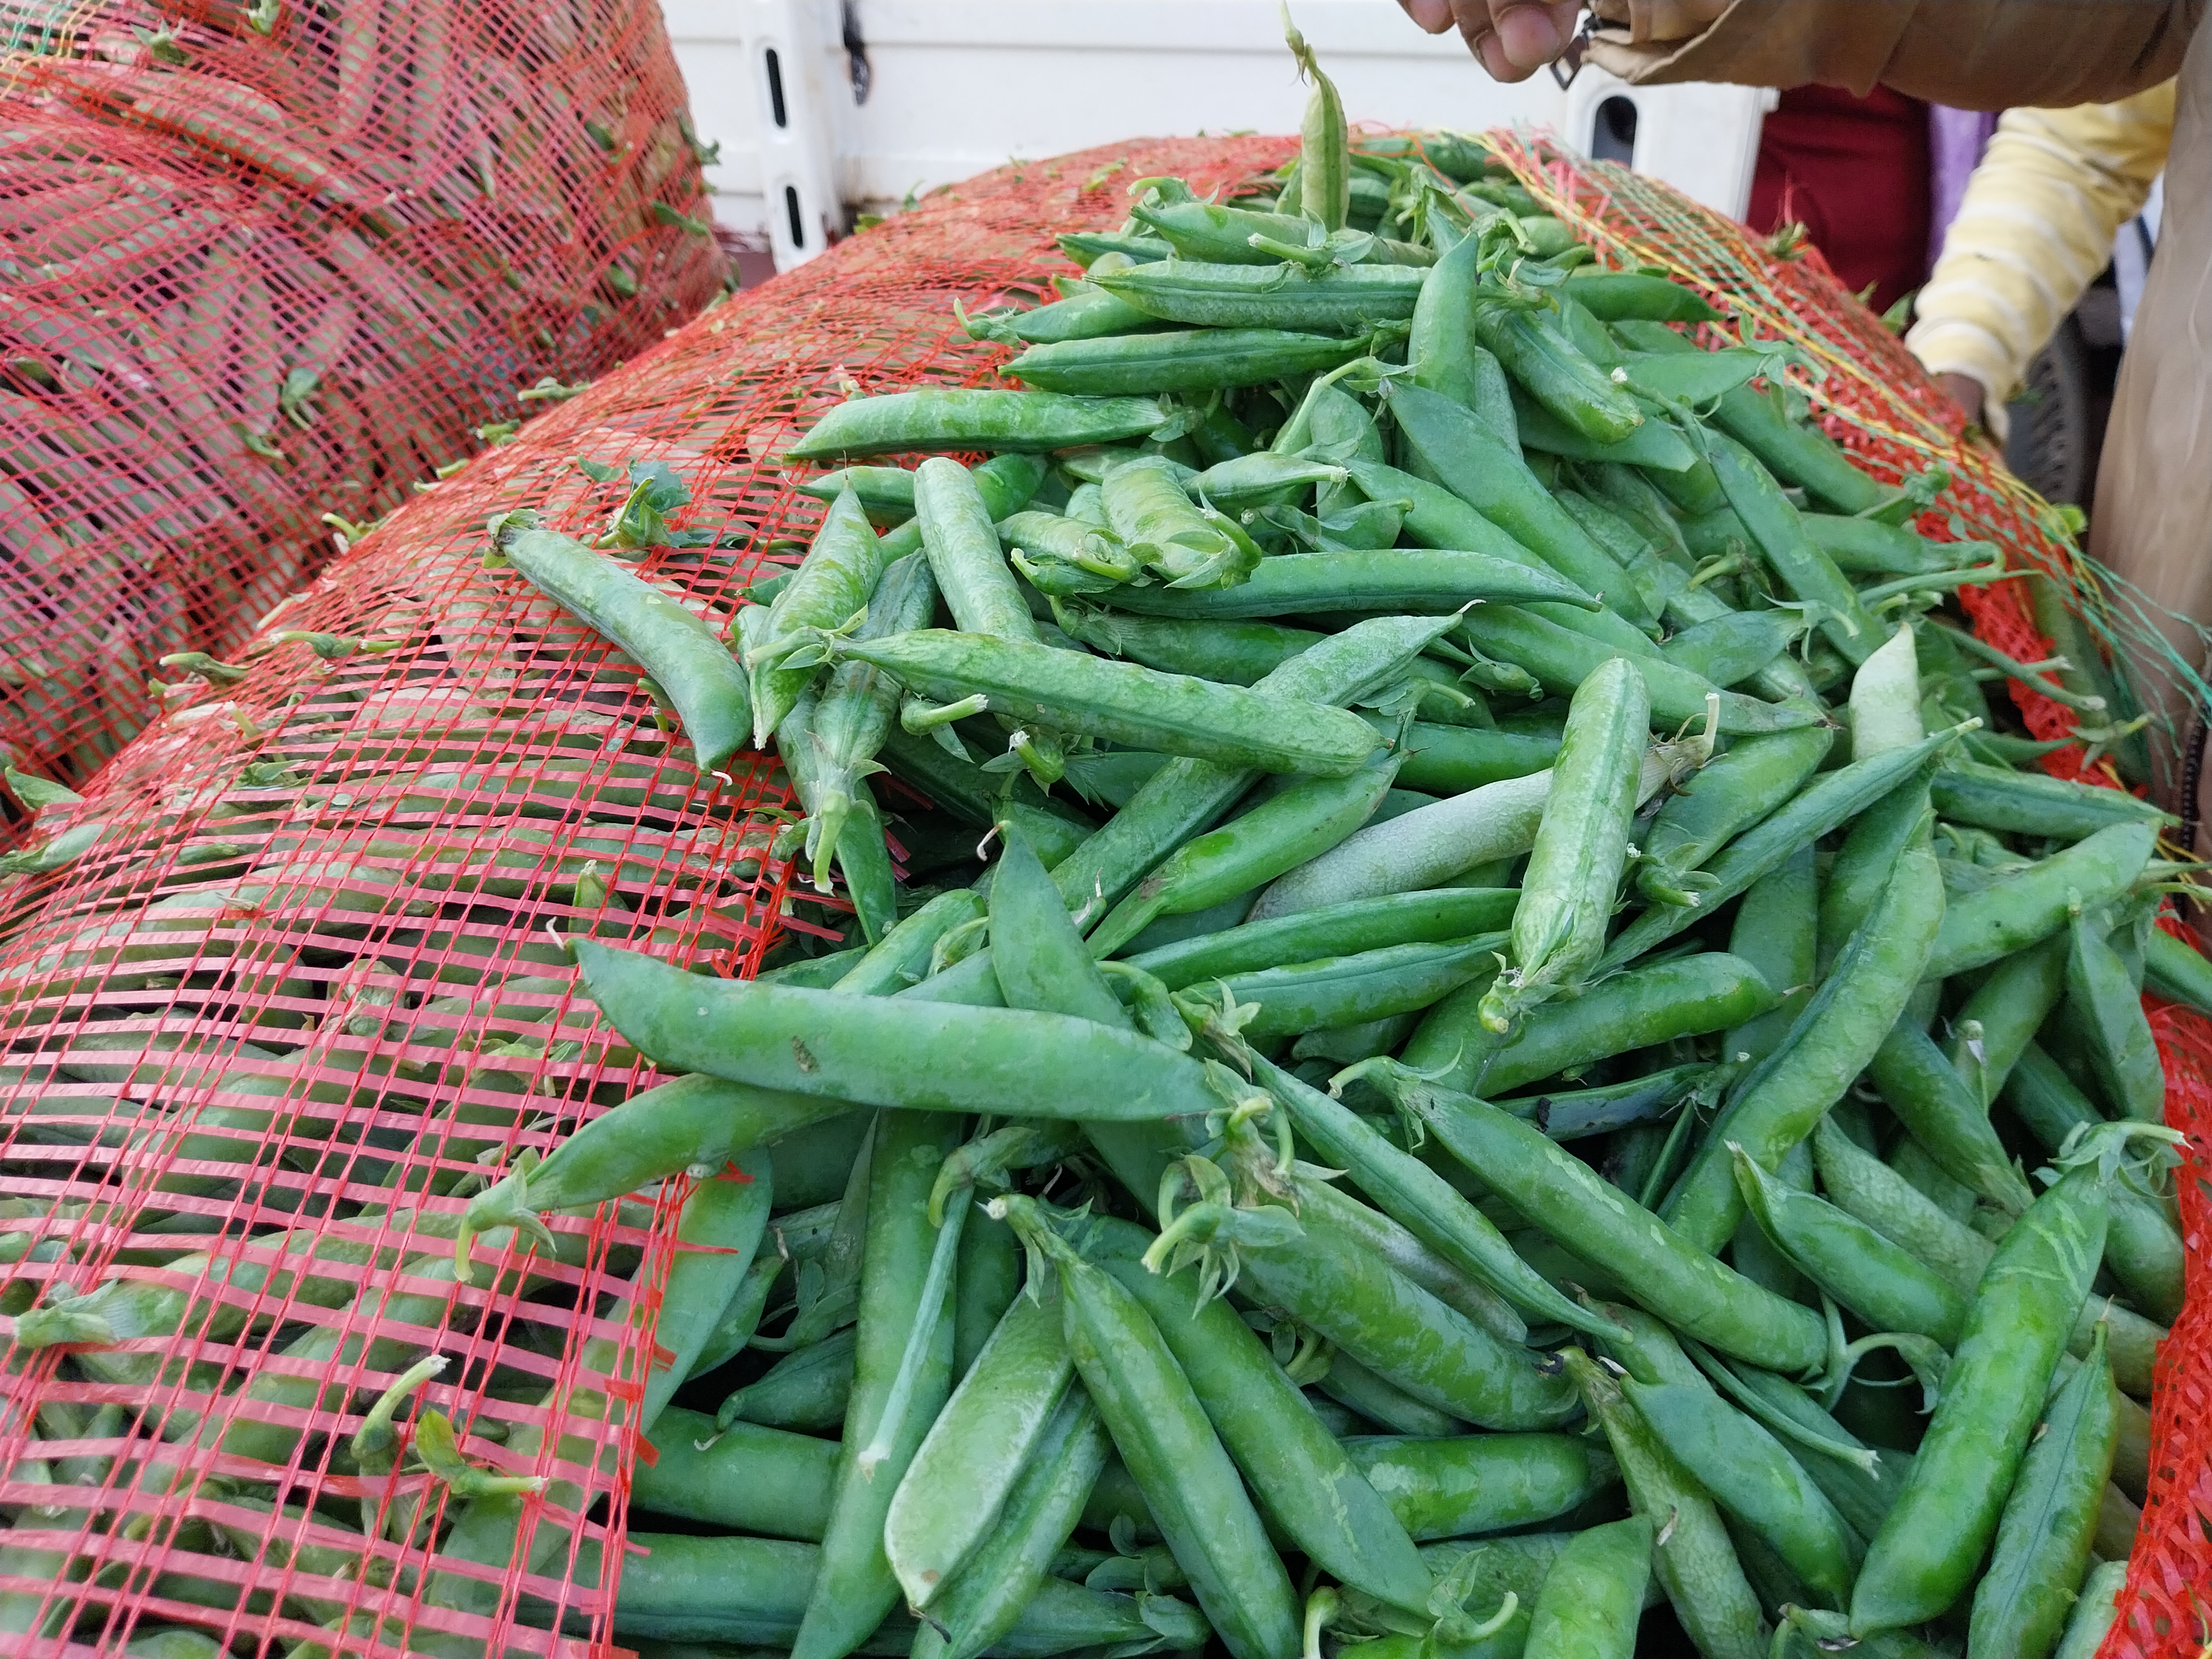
<point>1513,38</point>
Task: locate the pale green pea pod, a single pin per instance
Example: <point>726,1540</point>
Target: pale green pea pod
<point>1309,816</point>
<point>2094,1611</point>
<point>1186,545</point>
<point>963,549</point>
<point>1045,540</point>
<point>1885,698</point>
<point>1261,478</point>
<point>1325,148</point>
<point>1580,845</point>
<point>839,572</point>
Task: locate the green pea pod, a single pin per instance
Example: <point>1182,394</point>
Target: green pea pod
<point>1185,360</point>
<point>901,957</point>
<point>1752,1476</point>
<point>1372,924</point>
<point>1437,517</point>
<point>843,563</point>
<point>2095,1611</point>
<point>854,715</point>
<point>1569,1201</point>
<point>963,554</point>
<point>897,1051</point>
<point>1006,481</point>
<point>968,1465</point>
<point>745,1478</point>
<point>863,856</point>
<point>1563,660</point>
<point>853,1585</point>
<point>1419,1198</point>
<point>1592,1597</point>
<point>1122,703</point>
<point>1425,581</point>
<point>1084,311</point>
<point>1805,570</point>
<point>1689,996</point>
<point>807,1389</point>
<point>1313,996</point>
<point>1861,1486</point>
<point>968,419</point>
<point>1488,475</point>
<point>2177,971</point>
<point>1616,296</point>
<point>1982,926</point>
<point>1566,383</point>
<point>985,1281</point>
<point>1343,300</point>
<point>1324,145</point>
<point>1429,844</point>
<point>2045,1533</point>
<point>1581,848</point>
<point>2121,1049</point>
<point>1372,1400</point>
<point>1939,1108</point>
<point>1039,959</point>
<point>1221,235</point>
<point>1776,930</point>
<point>1188,1482</point>
<point>1302,1479</point>
<point>1863,865</point>
<point>1446,356</point>
<point>679,653</point>
<point>1481,1483</point>
<point>1187,795</point>
<point>2032,803</point>
<point>1281,833</point>
<point>1006,1573</point>
<point>1996,1024</point>
<point>1187,546</point>
<point>1653,445</point>
<point>1882,1282</point>
<point>1691,1557</point>
<point>1839,1032</point>
<point>1924,1555</point>
<point>1236,652</point>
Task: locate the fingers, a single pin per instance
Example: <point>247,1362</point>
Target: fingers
<point>1514,39</point>
<point>1433,15</point>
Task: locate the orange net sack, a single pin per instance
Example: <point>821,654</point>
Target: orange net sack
<point>1879,403</point>
<point>264,261</point>
<point>289,985</point>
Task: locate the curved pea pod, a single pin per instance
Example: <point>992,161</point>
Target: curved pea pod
<point>1563,660</point>
<point>967,418</point>
<point>1324,175</point>
<point>1924,1555</point>
<point>2050,1520</point>
<point>1691,1556</point>
<point>1752,1475</point>
<point>1187,795</point>
<point>1981,927</point>
<point>1006,1573</point>
<point>1581,846</point>
<point>1161,1430</point>
<point>1309,816</point>
<point>1488,475</point>
<point>1343,300</point>
<point>1044,541</point>
<point>1614,297</point>
<point>1403,1250</point>
<point>2121,1050</point>
<point>679,653</point>
<point>1842,1029</point>
<point>1185,360</point>
<point>1445,354</point>
<point>808,1389</point>
<point>843,563</point>
<point>1260,478</point>
<point>894,1051</point>
<point>1725,797</point>
<point>745,1478</point>
<point>1313,996</point>
<point>1689,996</point>
<point>1477,1483</point>
<point>1331,1283</point>
<point>902,958</point>
<point>1433,582</point>
<point>1592,1597</point>
<point>1544,362</point>
<point>1882,1282</point>
<point>1124,703</point>
<point>1569,1202</point>
<point>1731,648</point>
<point>1420,1200</point>
<point>2030,802</point>
<point>1302,1479</point>
<point>1941,1111</point>
<point>967,1466</point>
<point>1217,234</point>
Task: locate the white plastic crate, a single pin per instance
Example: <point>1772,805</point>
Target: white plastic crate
<point>954,87</point>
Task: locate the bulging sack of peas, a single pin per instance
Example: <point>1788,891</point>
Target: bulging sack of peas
<point>269,267</point>
<point>288,988</point>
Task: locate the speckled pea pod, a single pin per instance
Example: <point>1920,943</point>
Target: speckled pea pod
<point>1982,926</point>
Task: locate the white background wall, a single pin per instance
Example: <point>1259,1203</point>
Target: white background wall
<point>961,86</point>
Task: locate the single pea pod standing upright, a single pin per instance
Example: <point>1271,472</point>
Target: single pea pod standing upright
<point>1325,144</point>
<point>854,714</point>
<point>1921,1561</point>
<point>1582,845</point>
<point>832,584</point>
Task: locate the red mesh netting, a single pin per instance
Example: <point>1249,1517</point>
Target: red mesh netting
<point>1877,400</point>
<point>315,919</point>
<point>265,260</point>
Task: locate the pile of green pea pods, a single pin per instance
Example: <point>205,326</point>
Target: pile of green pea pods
<point>1499,1037</point>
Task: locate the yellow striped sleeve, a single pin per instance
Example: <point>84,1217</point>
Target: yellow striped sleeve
<point>2035,228</point>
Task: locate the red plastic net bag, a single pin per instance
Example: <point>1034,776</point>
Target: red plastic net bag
<point>288,988</point>
<point>1877,401</point>
<point>265,263</point>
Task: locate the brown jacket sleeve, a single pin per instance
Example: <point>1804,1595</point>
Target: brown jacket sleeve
<point>1969,54</point>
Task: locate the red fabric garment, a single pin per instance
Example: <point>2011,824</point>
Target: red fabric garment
<point>1854,171</point>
